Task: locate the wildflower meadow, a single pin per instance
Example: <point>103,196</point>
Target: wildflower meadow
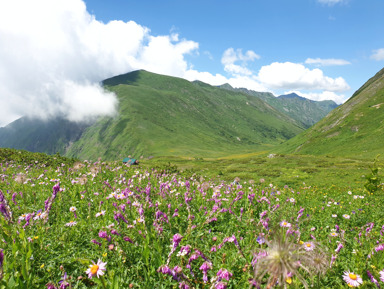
<point>108,225</point>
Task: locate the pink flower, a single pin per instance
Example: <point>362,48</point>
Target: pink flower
<point>352,279</point>
<point>309,246</point>
<point>96,269</point>
<point>224,274</point>
<point>285,224</point>
<point>381,275</point>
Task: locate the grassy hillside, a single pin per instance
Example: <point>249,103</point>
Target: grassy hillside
<point>161,115</point>
<point>353,129</point>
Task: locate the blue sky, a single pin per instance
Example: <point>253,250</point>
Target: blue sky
<point>276,30</point>
<point>57,52</point>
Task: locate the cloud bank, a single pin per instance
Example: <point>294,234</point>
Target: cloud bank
<point>54,54</point>
<point>290,75</point>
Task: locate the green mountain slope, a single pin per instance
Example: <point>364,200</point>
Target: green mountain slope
<point>355,128</point>
<point>305,111</point>
<point>50,136</point>
<point>162,115</point>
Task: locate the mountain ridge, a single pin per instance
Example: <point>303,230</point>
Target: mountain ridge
<point>305,111</point>
<point>162,115</point>
<point>353,129</point>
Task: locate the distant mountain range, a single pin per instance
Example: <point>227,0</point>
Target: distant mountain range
<point>305,111</point>
<point>355,128</point>
<point>163,115</point>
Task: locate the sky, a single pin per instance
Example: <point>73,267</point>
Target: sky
<point>54,54</point>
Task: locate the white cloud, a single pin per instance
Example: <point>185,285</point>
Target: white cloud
<point>327,62</point>
<point>378,54</point>
<point>290,75</point>
<point>230,56</point>
<point>163,56</point>
<point>54,54</point>
<point>323,95</point>
<point>237,81</point>
<point>332,2</point>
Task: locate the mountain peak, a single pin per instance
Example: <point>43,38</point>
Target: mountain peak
<point>226,86</point>
<point>292,95</point>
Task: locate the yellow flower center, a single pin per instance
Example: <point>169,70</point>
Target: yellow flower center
<point>352,276</point>
<point>94,269</point>
<point>285,223</point>
<point>308,245</point>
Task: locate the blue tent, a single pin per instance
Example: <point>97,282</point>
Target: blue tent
<point>130,161</point>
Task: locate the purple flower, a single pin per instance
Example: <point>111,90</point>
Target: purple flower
<point>127,239</point>
<point>119,216</point>
<point>50,286</point>
<point>339,248</point>
<point>205,267</point>
<point>176,240</point>
<point>103,234</point>
<point>63,282</point>
<point>183,285</point>
<point>333,259</point>
<point>95,242</point>
<point>220,285</point>
<point>1,259</point>
<point>373,280</point>
<point>185,250</point>
<point>379,248</point>
<point>260,240</point>
<point>224,274</point>
<point>14,198</point>
<point>164,269</point>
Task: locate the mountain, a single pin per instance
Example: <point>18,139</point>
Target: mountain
<point>355,128</point>
<point>35,135</point>
<point>163,115</point>
<point>307,112</point>
<point>160,115</point>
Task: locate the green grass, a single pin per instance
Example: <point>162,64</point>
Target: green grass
<point>163,198</point>
<point>292,170</point>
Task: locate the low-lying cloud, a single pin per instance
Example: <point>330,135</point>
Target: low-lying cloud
<point>54,54</point>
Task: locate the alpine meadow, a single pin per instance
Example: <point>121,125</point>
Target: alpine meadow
<point>140,147</point>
